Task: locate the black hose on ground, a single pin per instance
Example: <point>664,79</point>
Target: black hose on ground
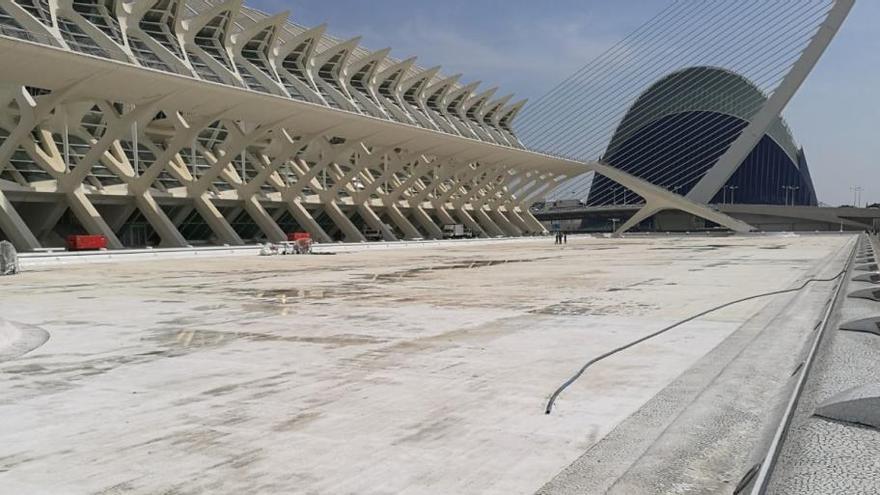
<point>674,325</point>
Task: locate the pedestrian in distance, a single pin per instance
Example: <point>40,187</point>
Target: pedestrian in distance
<point>565,238</point>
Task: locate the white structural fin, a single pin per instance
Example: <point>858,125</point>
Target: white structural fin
<point>292,63</point>
<point>252,53</point>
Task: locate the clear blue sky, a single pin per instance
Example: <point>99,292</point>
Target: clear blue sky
<point>526,47</point>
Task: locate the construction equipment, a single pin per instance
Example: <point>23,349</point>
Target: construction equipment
<point>302,242</point>
<point>455,231</point>
<point>86,242</point>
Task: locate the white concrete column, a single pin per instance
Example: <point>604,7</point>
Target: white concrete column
<point>15,228</point>
<point>499,201</point>
<point>116,220</point>
<point>263,220</point>
<point>374,221</point>
<point>415,201</point>
<point>305,219</point>
<point>424,219</point>
<point>212,216</point>
<point>463,216</point>
<point>168,233</point>
<point>517,220</point>
<point>89,217</point>
<point>489,226</point>
<point>247,194</point>
<point>308,175</point>
<point>48,219</point>
<point>477,213</point>
<point>358,167</point>
<point>182,215</point>
<point>391,163</point>
<point>352,234</point>
<point>483,193</point>
<point>458,207</point>
<point>537,226</point>
<point>504,223</point>
<point>403,223</point>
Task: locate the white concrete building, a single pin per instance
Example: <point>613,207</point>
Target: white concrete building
<point>165,123</point>
<point>151,172</point>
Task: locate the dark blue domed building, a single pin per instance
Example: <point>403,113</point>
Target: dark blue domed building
<point>679,128</point>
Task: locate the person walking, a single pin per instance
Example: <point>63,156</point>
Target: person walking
<point>565,237</point>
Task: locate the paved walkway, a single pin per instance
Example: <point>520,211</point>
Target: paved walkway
<point>414,371</point>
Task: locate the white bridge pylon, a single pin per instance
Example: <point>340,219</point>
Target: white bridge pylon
<point>609,113</point>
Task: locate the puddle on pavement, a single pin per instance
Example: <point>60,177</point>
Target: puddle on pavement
<point>459,265</point>
<point>283,300</point>
<point>684,248</point>
<point>200,338</point>
<point>595,307</point>
<point>719,264</point>
<point>296,422</point>
<point>58,289</point>
<point>283,295</point>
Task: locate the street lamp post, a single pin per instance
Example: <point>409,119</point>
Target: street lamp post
<point>857,195</point>
<point>789,194</point>
<point>733,194</point>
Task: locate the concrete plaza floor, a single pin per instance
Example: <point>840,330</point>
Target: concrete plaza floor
<point>381,371</point>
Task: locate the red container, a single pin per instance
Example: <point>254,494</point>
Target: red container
<point>297,236</point>
<point>86,242</point>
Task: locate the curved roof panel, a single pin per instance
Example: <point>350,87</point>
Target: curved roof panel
<point>700,89</point>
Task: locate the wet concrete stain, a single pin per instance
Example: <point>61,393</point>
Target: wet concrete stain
<point>118,489</point>
<point>296,422</point>
<point>427,432</point>
<point>458,265</point>
<point>594,307</point>
<point>202,338</point>
<point>10,462</point>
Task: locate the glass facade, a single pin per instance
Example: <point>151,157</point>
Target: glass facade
<point>680,127</point>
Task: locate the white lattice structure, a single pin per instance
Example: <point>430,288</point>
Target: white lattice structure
<point>123,164</point>
<point>171,123</point>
